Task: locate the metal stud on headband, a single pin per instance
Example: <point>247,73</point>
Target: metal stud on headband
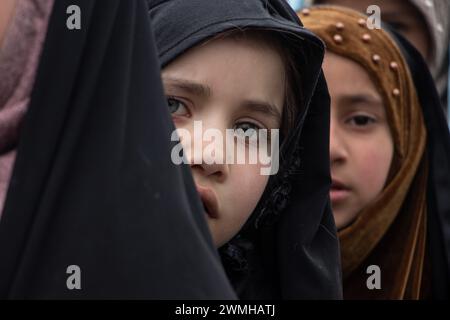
<point>338,38</point>
<point>376,58</point>
<point>340,26</point>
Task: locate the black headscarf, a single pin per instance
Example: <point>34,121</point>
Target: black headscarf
<point>93,184</point>
<point>288,248</point>
<point>438,156</point>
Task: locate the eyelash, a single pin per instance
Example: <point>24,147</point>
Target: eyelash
<point>253,126</point>
<point>370,120</point>
<point>173,99</point>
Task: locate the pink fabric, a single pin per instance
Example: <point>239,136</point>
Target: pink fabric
<point>19,58</point>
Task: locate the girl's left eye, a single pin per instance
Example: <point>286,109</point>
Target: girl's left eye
<point>250,129</point>
<point>361,120</point>
<point>177,107</point>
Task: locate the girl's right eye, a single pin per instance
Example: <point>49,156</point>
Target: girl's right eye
<point>176,107</point>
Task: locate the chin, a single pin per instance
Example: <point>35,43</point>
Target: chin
<point>343,219</point>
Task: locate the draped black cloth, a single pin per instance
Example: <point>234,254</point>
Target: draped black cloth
<point>438,154</point>
<point>289,248</point>
<point>93,183</point>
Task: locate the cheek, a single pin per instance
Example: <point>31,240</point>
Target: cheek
<point>246,186</point>
<point>240,195</point>
<point>372,161</point>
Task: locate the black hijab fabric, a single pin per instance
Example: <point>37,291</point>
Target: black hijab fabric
<point>438,154</point>
<point>289,248</point>
<point>93,183</point>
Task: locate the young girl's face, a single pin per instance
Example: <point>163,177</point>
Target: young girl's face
<point>227,83</point>
<point>361,146</point>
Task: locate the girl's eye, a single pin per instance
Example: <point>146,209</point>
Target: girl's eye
<point>247,128</point>
<point>361,120</point>
<point>177,107</point>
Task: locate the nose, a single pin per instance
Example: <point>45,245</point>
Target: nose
<point>218,172</point>
<point>338,151</point>
<point>207,158</point>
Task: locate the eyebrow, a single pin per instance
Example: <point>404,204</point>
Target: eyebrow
<point>205,91</point>
<point>361,98</point>
<point>189,86</point>
<point>263,107</point>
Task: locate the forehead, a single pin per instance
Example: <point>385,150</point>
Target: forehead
<point>244,65</point>
<point>345,76</point>
<point>248,58</point>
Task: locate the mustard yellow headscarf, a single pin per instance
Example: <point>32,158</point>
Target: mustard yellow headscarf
<point>391,231</point>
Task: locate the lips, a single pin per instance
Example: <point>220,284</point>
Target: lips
<point>209,200</point>
<point>339,191</point>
